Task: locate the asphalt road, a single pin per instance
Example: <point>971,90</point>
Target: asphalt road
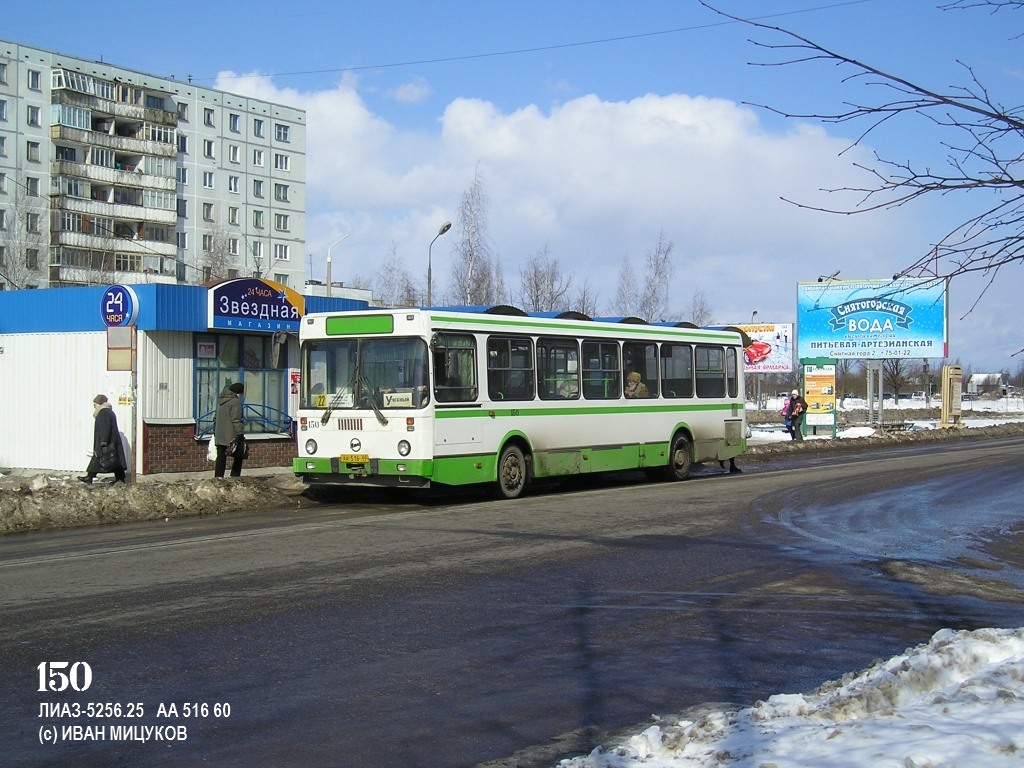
<point>389,631</point>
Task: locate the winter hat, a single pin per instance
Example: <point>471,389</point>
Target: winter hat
<point>795,392</point>
<point>99,399</point>
<point>238,387</point>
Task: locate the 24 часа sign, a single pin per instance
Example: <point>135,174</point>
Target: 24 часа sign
<point>872,319</point>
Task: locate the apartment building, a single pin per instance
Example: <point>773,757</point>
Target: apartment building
<point>108,175</point>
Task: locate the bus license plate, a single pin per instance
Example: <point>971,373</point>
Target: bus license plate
<point>355,458</point>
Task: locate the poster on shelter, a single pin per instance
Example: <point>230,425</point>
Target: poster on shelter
<point>872,319</point>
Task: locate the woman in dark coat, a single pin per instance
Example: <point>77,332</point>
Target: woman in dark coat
<point>105,433</point>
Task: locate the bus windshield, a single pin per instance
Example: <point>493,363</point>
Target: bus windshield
<point>358,373</point>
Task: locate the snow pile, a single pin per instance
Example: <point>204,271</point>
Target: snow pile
<point>955,701</point>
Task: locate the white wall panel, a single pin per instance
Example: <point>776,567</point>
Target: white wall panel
<point>165,375</point>
<point>47,383</point>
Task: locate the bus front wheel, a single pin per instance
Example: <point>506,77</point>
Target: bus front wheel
<point>511,472</point>
<point>680,458</point>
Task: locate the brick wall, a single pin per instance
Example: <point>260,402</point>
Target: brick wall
<point>173,448</point>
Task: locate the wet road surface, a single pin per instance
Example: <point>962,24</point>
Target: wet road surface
<point>421,633</point>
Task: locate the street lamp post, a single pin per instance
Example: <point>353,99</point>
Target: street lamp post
<point>444,228</point>
<point>336,242</point>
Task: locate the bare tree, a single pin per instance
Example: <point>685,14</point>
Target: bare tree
<point>700,309</point>
<point>473,278</point>
<point>654,298</point>
<point>392,286</point>
<point>216,261</point>
<point>896,372</point>
<point>983,141</point>
<point>651,300</point>
<point>585,299</point>
<point>24,246</point>
<point>543,287</point>
<point>626,292</point>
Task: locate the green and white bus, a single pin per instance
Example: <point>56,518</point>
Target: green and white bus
<point>415,397</point>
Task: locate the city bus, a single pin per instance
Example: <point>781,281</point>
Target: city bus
<point>412,398</point>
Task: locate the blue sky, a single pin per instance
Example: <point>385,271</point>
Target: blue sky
<point>595,125</point>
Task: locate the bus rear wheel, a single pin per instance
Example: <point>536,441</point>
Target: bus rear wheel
<point>511,472</point>
<point>680,458</point>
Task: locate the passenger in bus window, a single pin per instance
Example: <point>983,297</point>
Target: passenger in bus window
<point>635,386</point>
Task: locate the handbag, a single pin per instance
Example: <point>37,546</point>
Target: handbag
<point>238,449</point>
<point>211,451</point>
<point>108,458</point>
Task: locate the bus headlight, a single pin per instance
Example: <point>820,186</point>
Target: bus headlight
<point>404,448</point>
<point>311,447</point>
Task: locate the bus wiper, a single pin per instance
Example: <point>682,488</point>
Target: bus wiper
<point>335,402</point>
<point>371,395</point>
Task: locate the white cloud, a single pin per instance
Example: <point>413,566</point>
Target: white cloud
<point>411,93</point>
<point>597,181</point>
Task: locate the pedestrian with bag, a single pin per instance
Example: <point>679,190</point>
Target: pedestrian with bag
<point>229,431</point>
<point>795,415</point>
<point>107,449</point>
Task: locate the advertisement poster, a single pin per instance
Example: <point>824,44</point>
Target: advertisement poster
<point>771,348</point>
<point>820,394</point>
<point>872,319</point>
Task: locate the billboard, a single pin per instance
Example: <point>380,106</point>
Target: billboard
<point>771,348</point>
<point>872,319</point>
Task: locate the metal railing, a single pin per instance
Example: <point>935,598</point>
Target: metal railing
<point>256,418</point>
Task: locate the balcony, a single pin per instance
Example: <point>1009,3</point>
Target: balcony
<point>113,176</point>
<point>116,210</point>
<point>145,248</point>
<point>124,143</point>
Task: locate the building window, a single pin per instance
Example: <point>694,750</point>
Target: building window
<point>182,209</point>
<point>34,80</point>
<point>208,148</point>
<point>154,101</point>
<point>257,158</point>
<point>183,240</point>
<point>3,110</point>
<point>233,215</point>
<point>257,128</point>
<point>208,179</point>
<point>32,186</point>
<point>233,123</point>
<point>282,252</point>
<point>257,188</point>
<point>234,154</point>
<point>282,162</point>
<point>282,132</point>
<point>208,117</point>
<point>233,246</point>
<point>32,151</point>
<point>183,111</point>
<point>233,184</point>
<point>257,250</point>
<point>207,243</point>
<point>281,193</point>
<point>32,258</point>
<point>3,146</point>
<point>3,182</point>
<point>3,219</point>
<point>182,174</point>
<point>281,222</point>
<point>32,222</point>
<point>32,116</point>
<point>257,219</point>
<point>3,73</point>
<point>182,144</point>
<point>207,211</point>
